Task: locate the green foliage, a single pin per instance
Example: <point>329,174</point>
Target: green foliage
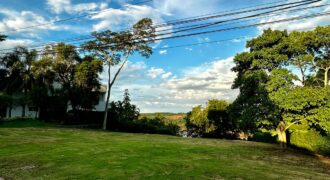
<point>311,140</point>
<point>217,114</point>
<point>213,120</point>
<point>198,121</point>
<point>78,77</point>
<point>5,100</point>
<point>253,109</point>
<point>115,47</point>
<point>267,92</point>
<point>157,125</point>
<point>122,113</point>
<point>124,116</point>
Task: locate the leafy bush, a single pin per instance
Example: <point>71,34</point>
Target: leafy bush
<point>311,140</point>
<point>156,125</point>
<point>124,116</point>
<point>211,121</point>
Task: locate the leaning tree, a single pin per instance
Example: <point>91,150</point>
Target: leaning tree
<point>114,48</point>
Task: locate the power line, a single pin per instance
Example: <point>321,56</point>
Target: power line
<point>247,26</point>
<point>248,18</point>
<point>66,19</point>
<point>199,19</point>
<point>216,41</point>
<point>234,19</point>
<point>236,13</point>
<point>221,30</point>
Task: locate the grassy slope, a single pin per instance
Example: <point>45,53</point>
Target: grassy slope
<point>58,153</point>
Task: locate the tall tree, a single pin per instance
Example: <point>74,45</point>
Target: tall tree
<point>300,104</point>
<point>64,58</point>
<point>114,48</point>
<point>87,82</point>
<point>78,77</point>
<point>322,51</point>
<point>253,109</point>
<point>300,54</point>
<point>217,114</point>
<point>19,78</point>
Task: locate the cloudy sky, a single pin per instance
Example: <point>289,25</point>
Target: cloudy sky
<point>172,79</point>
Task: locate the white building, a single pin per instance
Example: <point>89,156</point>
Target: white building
<point>31,111</point>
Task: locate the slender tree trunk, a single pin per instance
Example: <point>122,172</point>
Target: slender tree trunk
<point>326,76</point>
<point>24,104</point>
<point>302,71</point>
<point>104,127</point>
<point>9,110</point>
<point>110,84</point>
<point>23,110</point>
<point>303,76</point>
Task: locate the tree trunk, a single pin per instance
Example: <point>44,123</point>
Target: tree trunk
<point>23,110</point>
<point>9,110</point>
<point>110,84</point>
<point>326,77</point>
<point>303,76</point>
<point>104,127</point>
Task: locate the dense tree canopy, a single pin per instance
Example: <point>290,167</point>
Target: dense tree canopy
<point>268,88</point>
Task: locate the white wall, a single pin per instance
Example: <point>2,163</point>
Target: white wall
<point>17,112</point>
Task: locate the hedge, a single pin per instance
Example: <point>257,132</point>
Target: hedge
<point>311,140</point>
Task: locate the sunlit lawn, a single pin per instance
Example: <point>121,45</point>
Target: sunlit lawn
<point>60,153</point>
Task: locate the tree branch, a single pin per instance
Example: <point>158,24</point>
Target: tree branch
<point>292,124</point>
<point>118,71</point>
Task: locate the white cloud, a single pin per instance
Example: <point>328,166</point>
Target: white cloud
<point>166,75</point>
<point>299,25</point>
<point>10,43</point>
<point>130,72</point>
<point>163,52</point>
<point>175,94</point>
<point>118,19</point>
<point>155,72</point>
<point>186,8</point>
<point>210,80</point>
<point>14,21</point>
<point>59,6</point>
<point>202,40</point>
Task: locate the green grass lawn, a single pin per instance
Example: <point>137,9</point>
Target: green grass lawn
<point>59,153</point>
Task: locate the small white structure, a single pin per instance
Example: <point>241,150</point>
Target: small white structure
<point>31,111</point>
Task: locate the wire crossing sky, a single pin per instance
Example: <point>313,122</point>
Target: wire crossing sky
<point>192,58</point>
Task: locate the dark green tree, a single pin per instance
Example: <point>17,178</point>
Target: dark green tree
<point>217,114</point>
<point>124,113</point>
<point>253,109</point>
<point>17,74</point>
<point>78,77</point>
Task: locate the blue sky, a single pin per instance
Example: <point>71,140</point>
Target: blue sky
<point>171,80</point>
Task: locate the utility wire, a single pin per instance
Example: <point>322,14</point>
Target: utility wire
<point>248,26</point>
<point>236,13</point>
<point>235,19</point>
<point>66,19</point>
<point>203,25</point>
<point>218,30</point>
<point>248,18</point>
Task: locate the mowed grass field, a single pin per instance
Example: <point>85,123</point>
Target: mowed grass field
<point>28,152</point>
